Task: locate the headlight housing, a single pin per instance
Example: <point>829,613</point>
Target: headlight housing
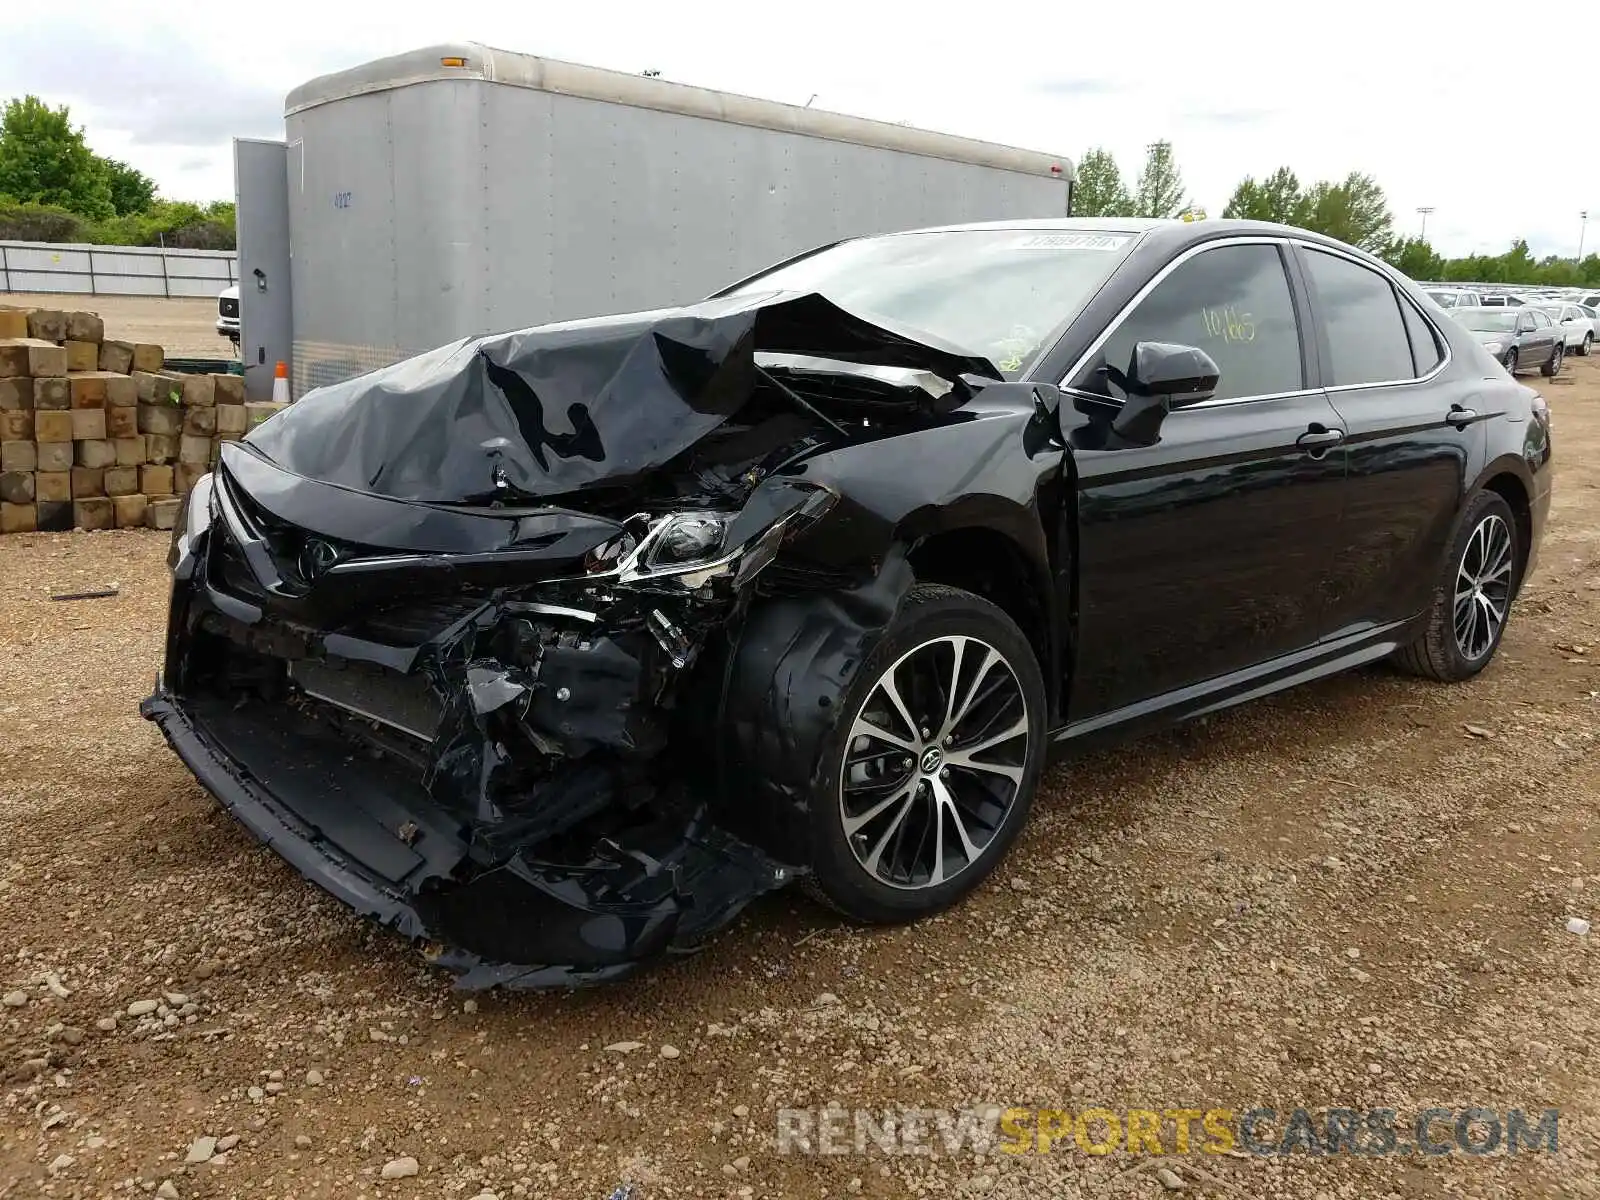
<point>687,538</point>
<point>685,551</point>
<point>1493,347</point>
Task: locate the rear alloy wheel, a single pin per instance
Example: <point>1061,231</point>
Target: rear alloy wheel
<point>1553,368</point>
<point>1511,362</point>
<point>935,766</point>
<point>1588,345</point>
<point>1472,599</point>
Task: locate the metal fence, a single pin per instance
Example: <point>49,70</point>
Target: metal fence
<point>115,270</point>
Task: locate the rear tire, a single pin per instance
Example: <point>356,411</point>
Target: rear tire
<point>908,816</point>
<point>1553,368</point>
<point>1471,597</point>
<point>1588,345</point>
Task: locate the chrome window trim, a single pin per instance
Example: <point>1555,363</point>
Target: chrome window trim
<point>1229,401</point>
<point>1383,271</point>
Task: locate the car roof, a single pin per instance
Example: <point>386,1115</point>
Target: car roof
<point>1172,229</point>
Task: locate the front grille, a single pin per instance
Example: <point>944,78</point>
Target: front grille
<point>402,702</point>
<point>228,307</point>
<point>416,621</point>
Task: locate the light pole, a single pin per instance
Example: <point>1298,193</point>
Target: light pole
<point>1583,227</point>
<point>1425,210</point>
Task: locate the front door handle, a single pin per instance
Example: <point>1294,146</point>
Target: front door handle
<point>1460,417</point>
<point>1318,440</point>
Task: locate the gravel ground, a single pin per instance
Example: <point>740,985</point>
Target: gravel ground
<point>184,327</point>
<point>1356,894</point>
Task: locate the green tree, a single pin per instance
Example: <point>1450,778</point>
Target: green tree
<point>132,191</point>
<point>1276,198</point>
<point>1416,259</point>
<point>1159,192</point>
<point>44,160</point>
<point>1099,190</point>
<point>1354,211</point>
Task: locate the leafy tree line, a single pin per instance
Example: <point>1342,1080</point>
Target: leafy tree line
<point>53,188</point>
<point>1353,209</point>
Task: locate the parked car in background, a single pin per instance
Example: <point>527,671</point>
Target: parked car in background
<point>1520,338</point>
<point>1454,297</point>
<point>1577,327</point>
<point>1503,300</point>
<point>228,314</point>
<point>1590,300</point>
<point>552,649</point>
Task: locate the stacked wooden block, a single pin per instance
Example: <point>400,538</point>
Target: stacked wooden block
<point>94,434</point>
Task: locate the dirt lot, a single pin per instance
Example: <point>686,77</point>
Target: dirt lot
<point>185,328</point>
<point>1343,896</point>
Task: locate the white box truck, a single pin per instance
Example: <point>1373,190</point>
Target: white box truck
<point>458,189</point>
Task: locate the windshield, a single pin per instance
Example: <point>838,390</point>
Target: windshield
<point>1444,299</point>
<point>994,292</point>
<point>1487,320</point>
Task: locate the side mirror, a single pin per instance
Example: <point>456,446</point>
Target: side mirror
<point>1161,376</point>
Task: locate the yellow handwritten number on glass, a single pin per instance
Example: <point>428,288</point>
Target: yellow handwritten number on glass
<point>1229,324</point>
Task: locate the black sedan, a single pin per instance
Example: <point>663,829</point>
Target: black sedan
<point>553,649</point>
<point>1521,338</point>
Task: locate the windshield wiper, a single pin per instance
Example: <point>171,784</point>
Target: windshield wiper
<point>801,402</point>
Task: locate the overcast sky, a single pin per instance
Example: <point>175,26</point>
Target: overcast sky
<point>1417,94</point>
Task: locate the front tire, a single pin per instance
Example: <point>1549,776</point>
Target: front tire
<point>1472,597</point>
<point>1511,362</point>
<point>934,764</point>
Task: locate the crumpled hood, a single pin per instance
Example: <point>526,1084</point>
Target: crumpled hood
<point>558,408</point>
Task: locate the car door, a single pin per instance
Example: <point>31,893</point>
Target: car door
<point>1546,333</point>
<point>1530,353</point>
<point>1412,437</point>
<point>1573,326</point>
<point>1208,551</point>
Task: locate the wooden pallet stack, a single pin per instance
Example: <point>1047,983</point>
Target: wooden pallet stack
<point>95,434</point>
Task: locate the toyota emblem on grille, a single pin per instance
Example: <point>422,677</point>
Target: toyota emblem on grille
<point>316,556</point>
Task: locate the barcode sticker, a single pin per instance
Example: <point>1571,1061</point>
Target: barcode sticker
<point>1072,241</point>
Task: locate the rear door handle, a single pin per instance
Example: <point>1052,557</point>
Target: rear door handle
<point>1460,417</point>
<point>1318,440</point>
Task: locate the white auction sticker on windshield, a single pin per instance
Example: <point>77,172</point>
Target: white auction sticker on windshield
<point>1072,241</point>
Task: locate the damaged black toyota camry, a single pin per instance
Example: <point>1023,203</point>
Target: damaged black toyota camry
<point>552,649</point>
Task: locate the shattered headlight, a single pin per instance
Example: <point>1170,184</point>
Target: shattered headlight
<point>690,549</point>
<point>687,538</point>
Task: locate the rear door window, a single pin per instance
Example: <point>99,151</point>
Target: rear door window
<point>1426,353</point>
<point>1366,332</point>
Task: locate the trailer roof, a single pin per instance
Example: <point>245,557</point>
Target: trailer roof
<point>428,65</point>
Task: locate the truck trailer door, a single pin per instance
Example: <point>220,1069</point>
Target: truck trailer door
<point>261,185</point>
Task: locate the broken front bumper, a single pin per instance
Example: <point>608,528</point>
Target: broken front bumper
<point>373,840</point>
<point>425,817</point>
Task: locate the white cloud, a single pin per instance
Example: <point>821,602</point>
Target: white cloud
<point>1238,88</point>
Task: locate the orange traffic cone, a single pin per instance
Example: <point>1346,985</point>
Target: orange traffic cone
<point>280,384</point>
